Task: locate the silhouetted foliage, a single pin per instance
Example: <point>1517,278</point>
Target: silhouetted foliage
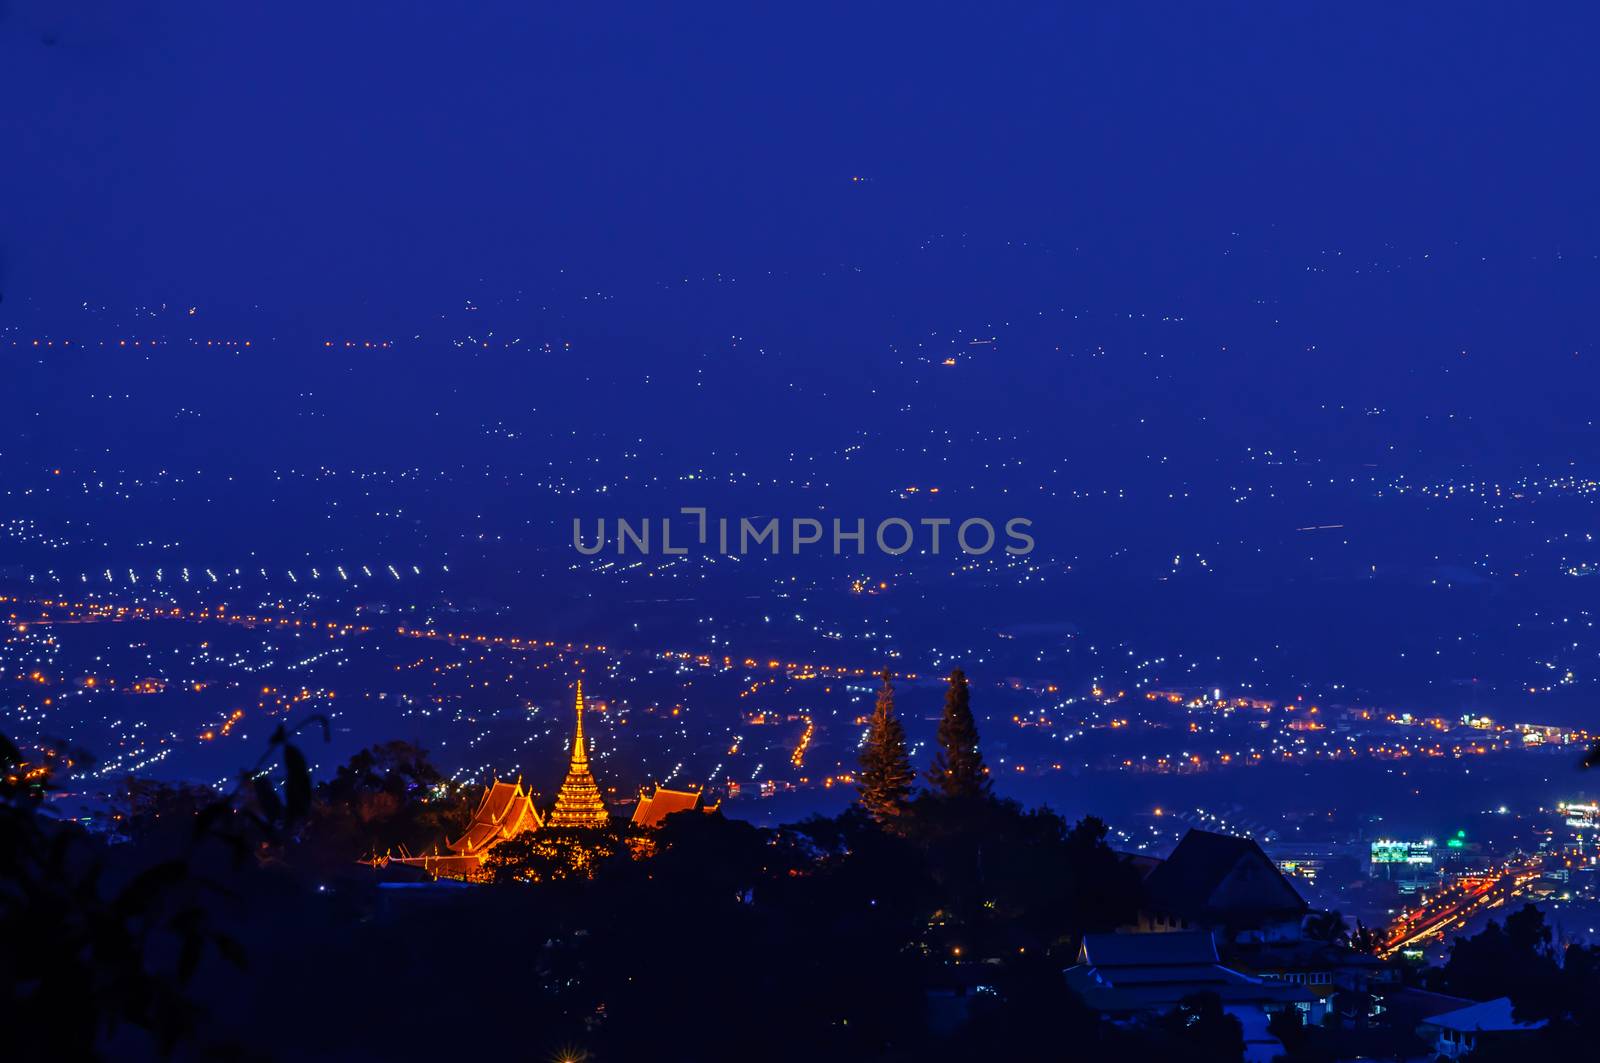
<point>1559,988</point>
<point>1327,927</point>
<point>159,816</point>
<point>1031,1011</point>
<point>941,935</point>
<point>958,769</point>
<point>1010,878</point>
<point>387,799</point>
<point>1198,1029</point>
<point>85,953</point>
<point>1365,939</point>
<point>1302,1043</point>
<point>1499,960</point>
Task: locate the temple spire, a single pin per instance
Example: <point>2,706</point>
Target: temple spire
<point>580,750</point>
<point>578,803</point>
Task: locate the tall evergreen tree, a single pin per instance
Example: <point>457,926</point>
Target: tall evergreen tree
<point>886,774</point>
<point>958,769</point>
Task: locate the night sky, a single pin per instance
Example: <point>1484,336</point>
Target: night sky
<point>326,160</point>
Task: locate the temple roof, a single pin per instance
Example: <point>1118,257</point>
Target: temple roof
<point>505,811</point>
<point>653,808</point>
<point>448,866</point>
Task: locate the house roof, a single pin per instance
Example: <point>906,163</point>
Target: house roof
<point>1140,862</point>
<point>1409,1006</point>
<point>1221,875</point>
<point>1148,972</point>
<point>1298,955</point>
<point>1130,950</point>
<point>1489,1017</point>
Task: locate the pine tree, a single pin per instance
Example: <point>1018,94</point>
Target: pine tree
<point>958,769</point>
<point>886,774</point>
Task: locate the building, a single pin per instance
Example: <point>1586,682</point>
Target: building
<point>1458,1033</point>
<point>578,804</point>
<point>1222,884</point>
<point>1316,861</point>
<point>1133,976</point>
<point>1391,1015</point>
<point>1324,969</point>
<point>654,808</point>
<point>1409,865</point>
<point>507,810</point>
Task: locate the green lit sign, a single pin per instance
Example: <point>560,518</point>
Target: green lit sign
<point>1385,851</point>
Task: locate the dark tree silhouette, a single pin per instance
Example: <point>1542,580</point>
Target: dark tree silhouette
<point>385,799</point>
<point>84,954</point>
<point>1033,1015</point>
<point>958,769</point>
<point>1302,1043</point>
<point>1365,939</point>
<point>1199,1029</point>
<point>1499,960</point>
<point>1327,927</point>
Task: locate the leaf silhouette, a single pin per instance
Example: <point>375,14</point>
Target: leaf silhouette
<point>298,784</point>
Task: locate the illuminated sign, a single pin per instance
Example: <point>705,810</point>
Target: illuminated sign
<point>1388,851</point>
<point>1584,817</point>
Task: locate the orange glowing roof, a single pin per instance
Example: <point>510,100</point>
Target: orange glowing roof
<point>653,808</point>
<point>505,811</point>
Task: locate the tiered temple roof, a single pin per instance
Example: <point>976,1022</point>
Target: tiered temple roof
<point>578,804</point>
<point>505,812</point>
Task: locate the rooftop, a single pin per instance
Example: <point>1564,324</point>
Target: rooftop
<point>1490,1016</point>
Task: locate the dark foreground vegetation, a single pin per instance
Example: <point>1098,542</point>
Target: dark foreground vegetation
<point>244,926</point>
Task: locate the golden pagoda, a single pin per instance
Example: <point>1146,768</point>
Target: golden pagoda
<point>578,804</point>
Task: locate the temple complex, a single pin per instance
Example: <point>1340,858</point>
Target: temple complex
<point>507,810</point>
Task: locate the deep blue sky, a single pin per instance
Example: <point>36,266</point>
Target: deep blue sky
<point>314,158</point>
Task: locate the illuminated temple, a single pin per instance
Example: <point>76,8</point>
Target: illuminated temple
<point>506,811</point>
<point>578,804</point>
